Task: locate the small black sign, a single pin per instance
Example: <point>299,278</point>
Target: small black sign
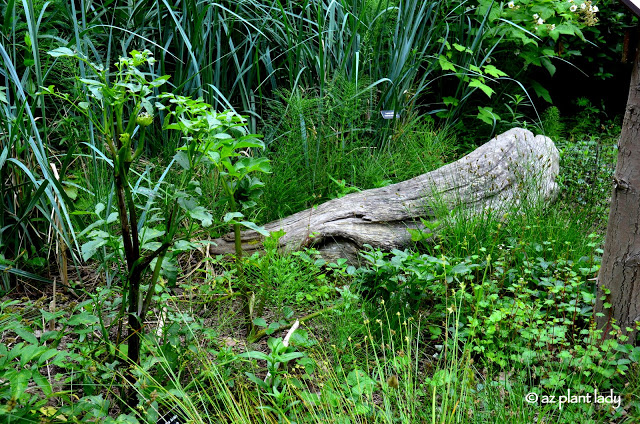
<point>633,5</point>
<point>171,418</point>
<point>390,114</point>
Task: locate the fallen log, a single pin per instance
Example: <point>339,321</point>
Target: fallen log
<point>512,168</point>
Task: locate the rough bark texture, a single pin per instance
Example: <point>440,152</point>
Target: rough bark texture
<point>620,268</point>
<point>511,168</point>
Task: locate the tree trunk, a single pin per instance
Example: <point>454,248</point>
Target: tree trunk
<point>619,276</point>
<point>513,167</point>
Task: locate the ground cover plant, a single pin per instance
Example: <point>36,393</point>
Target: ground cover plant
<point>131,135</point>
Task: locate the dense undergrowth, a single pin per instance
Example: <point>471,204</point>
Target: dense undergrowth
<point>109,168</point>
<point>474,327</point>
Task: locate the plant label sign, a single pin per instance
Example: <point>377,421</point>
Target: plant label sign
<point>633,5</point>
<point>390,114</point>
<point>170,418</point>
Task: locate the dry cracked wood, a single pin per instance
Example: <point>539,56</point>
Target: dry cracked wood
<point>513,167</point>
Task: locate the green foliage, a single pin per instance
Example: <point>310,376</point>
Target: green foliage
<point>32,345</point>
<point>294,279</point>
<point>484,304</point>
<point>540,30</point>
<point>551,123</point>
<point>591,120</point>
<point>587,168</point>
<point>220,141</point>
<point>459,329</point>
<point>407,280</point>
<point>120,107</point>
<point>320,163</point>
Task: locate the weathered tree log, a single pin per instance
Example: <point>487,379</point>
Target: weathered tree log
<point>512,168</point>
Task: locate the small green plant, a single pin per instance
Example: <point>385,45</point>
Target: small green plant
<point>552,125</point>
<point>221,141</point>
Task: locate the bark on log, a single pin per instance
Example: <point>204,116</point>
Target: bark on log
<point>512,168</point>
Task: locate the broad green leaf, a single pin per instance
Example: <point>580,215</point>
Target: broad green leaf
<point>195,211</point>
<point>541,91</point>
<point>255,355</point>
<point>91,226</point>
<point>475,69</point>
<point>568,29</point>
<point>248,204</point>
<point>360,382</point>
<point>19,383</point>
<point>184,245</point>
<point>448,101</point>
<point>460,269</point>
<point>273,327</point>
<point>260,164</point>
<point>232,216</point>
<point>494,72</point>
<point>486,114</point>
<point>113,217</point>
<point>83,318</point>
<point>249,143</point>
<point>149,234</point>
<point>50,353</point>
<point>260,322</point>
<point>259,382</point>
<point>71,191</point>
<point>48,316</point>
<point>222,136</point>
<point>214,156</point>
<point>255,228</point>
<point>152,246</point>
<point>183,159</point>
<point>459,47</point>
<point>288,313</point>
<point>199,213</point>
<point>91,247</point>
<point>546,62</point>
<point>159,81</point>
<point>61,51</point>
<point>26,335</point>
<point>42,382</point>
<point>482,86</point>
<point>91,82</point>
<point>286,357</point>
<point>30,352</point>
<point>445,65</point>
